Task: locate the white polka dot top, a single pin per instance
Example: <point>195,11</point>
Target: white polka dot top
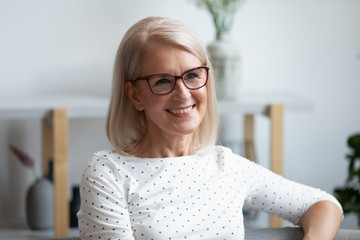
<point>190,197</point>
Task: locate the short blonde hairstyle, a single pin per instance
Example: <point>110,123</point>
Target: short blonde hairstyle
<point>125,125</point>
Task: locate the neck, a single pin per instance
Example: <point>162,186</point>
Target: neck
<point>162,147</point>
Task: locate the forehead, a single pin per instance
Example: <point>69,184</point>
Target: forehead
<point>168,59</point>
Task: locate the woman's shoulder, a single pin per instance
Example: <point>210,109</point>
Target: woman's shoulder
<point>225,154</point>
<point>106,159</point>
<point>105,154</point>
<point>104,163</point>
<point>222,149</point>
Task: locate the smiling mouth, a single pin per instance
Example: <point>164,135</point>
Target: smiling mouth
<point>181,111</point>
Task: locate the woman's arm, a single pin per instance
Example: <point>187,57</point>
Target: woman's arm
<point>321,221</point>
<point>318,212</point>
<point>104,212</point>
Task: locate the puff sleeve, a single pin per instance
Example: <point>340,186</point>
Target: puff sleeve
<point>104,212</point>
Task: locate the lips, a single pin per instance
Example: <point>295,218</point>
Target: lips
<point>181,110</point>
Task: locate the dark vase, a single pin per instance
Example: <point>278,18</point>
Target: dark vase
<point>50,174</point>
<point>40,205</point>
<point>74,206</point>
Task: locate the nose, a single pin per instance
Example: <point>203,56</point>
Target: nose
<point>180,88</point>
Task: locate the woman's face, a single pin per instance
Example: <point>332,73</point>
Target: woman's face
<point>179,112</point>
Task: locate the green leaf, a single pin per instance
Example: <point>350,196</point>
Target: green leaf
<point>349,195</point>
<point>354,143</point>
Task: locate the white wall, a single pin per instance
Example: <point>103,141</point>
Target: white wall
<point>310,48</point>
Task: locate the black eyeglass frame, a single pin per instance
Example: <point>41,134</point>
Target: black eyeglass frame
<point>147,78</point>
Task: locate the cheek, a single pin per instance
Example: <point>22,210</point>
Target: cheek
<point>202,96</point>
<point>153,106</point>
<point>148,100</point>
<point>204,102</point>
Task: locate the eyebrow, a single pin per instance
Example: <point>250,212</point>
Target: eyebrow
<point>171,74</point>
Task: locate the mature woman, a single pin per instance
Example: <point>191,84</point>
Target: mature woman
<point>165,178</point>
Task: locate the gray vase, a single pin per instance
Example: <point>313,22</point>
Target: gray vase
<point>226,58</point>
<point>40,205</point>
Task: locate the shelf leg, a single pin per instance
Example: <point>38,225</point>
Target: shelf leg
<point>60,132</point>
<point>249,137</point>
<point>276,112</point>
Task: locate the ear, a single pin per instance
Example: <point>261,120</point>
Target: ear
<point>133,95</point>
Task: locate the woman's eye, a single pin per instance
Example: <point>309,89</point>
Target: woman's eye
<point>191,75</point>
<point>162,81</point>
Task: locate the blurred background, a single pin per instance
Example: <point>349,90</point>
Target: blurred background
<point>310,48</point>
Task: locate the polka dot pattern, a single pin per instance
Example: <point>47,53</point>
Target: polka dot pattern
<point>191,197</point>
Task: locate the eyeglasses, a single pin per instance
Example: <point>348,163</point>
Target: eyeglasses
<point>163,83</point>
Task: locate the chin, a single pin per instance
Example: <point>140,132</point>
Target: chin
<point>186,132</point>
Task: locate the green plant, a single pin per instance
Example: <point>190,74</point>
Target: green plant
<point>222,13</point>
<point>349,194</point>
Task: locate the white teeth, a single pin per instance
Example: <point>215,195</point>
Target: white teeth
<point>182,111</point>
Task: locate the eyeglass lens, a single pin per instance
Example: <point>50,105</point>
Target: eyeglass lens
<point>193,79</point>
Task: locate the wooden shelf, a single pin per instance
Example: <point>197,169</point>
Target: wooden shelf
<point>15,231</point>
<point>54,111</point>
<point>37,107</point>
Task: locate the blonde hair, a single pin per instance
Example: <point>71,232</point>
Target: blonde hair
<point>125,125</point>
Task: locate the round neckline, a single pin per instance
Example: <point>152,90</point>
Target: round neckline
<point>199,155</point>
